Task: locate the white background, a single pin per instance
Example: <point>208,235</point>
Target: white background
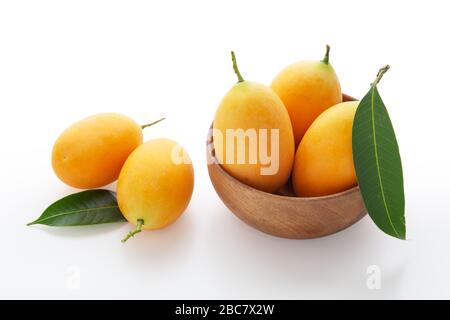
<point>61,61</point>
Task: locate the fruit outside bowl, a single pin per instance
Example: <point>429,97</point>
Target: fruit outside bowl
<point>283,214</point>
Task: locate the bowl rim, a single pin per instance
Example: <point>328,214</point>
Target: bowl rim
<point>278,196</point>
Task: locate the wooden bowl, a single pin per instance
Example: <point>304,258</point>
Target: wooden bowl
<point>283,214</point>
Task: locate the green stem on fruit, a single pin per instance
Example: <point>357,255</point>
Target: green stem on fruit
<point>326,59</point>
<point>380,75</point>
<point>235,67</point>
<point>150,124</point>
<point>140,223</point>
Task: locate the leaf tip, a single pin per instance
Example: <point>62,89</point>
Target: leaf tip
<point>400,234</point>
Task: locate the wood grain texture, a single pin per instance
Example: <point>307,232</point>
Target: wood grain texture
<point>284,215</point>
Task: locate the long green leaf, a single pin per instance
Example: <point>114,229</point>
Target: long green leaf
<point>83,208</point>
<point>377,163</point>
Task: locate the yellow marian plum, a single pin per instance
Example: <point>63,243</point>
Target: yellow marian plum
<point>90,153</point>
<point>307,88</point>
<point>324,161</point>
<point>155,185</point>
<point>252,134</point>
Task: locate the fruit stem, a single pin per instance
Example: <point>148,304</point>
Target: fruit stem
<point>326,59</point>
<point>150,124</point>
<point>140,223</point>
<point>235,67</point>
<point>380,75</point>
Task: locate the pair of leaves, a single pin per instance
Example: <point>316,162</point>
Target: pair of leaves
<point>377,163</point>
<point>83,208</point>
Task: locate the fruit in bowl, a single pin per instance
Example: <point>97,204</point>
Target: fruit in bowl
<point>253,137</point>
<point>306,106</point>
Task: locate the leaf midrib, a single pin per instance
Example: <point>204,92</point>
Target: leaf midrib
<point>74,211</point>
<point>377,161</point>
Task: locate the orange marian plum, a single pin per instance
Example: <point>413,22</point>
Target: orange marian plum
<point>90,153</point>
<point>324,160</point>
<point>307,88</point>
<point>155,185</point>
<point>252,134</point>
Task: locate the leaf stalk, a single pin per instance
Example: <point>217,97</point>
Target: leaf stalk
<point>380,74</point>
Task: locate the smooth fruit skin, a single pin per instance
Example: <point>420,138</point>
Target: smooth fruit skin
<point>324,161</point>
<point>307,88</point>
<point>154,185</point>
<point>250,105</point>
<point>91,153</point>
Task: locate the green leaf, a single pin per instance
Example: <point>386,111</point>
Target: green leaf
<point>377,163</point>
<point>83,208</point>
